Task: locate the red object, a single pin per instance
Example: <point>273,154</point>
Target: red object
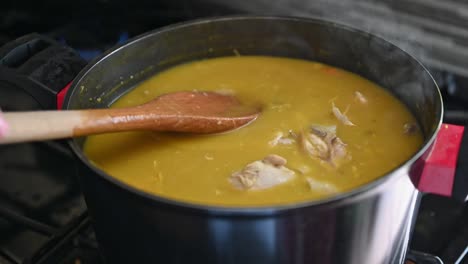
<point>438,172</point>
<point>61,96</point>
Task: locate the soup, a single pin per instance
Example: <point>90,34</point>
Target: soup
<point>322,131</point>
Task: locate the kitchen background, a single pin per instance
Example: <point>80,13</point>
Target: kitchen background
<point>43,217</point>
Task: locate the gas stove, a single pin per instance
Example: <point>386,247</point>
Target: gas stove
<point>43,216</point>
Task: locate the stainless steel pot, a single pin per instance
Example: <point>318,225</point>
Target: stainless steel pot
<point>371,224</point>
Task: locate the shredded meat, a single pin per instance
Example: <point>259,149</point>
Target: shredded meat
<point>281,139</point>
<point>320,186</point>
<point>340,116</point>
<point>262,174</point>
<point>321,142</point>
<point>225,91</point>
<point>303,169</point>
<point>410,128</point>
<point>360,97</point>
<point>322,131</point>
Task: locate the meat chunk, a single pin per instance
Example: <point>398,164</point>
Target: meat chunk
<point>262,174</point>
<point>322,143</point>
<point>315,146</point>
<point>341,116</point>
<point>320,186</point>
<point>338,148</point>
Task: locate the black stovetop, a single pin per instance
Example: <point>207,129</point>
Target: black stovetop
<point>43,216</point>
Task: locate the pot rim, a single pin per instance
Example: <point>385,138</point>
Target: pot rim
<point>341,198</point>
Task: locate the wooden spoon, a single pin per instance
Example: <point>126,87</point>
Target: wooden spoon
<point>192,112</point>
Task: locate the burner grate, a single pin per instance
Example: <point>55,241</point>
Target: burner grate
<point>73,243</point>
<point>40,202</point>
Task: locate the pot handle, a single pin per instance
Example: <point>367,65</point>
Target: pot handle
<point>416,257</point>
<point>39,68</point>
<point>441,170</point>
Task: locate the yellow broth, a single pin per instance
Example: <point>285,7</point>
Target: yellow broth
<point>294,94</point>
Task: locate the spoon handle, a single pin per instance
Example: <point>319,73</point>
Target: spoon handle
<point>40,125</point>
<point>45,125</point>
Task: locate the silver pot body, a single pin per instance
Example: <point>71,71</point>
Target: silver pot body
<point>369,225</point>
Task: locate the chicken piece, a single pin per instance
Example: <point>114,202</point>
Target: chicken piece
<point>360,97</point>
<point>320,186</point>
<point>281,139</point>
<point>275,160</point>
<point>321,142</point>
<point>340,116</point>
<point>262,174</point>
<point>338,148</point>
<point>315,146</point>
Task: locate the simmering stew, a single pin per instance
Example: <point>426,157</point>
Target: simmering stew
<point>322,131</point>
